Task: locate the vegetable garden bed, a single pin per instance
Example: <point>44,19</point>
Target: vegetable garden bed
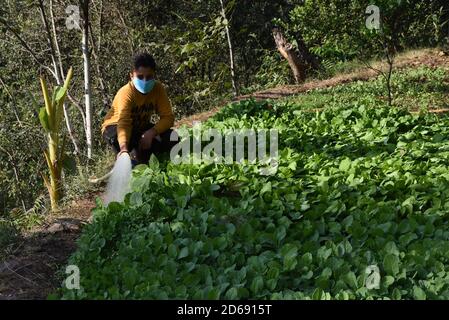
<point>360,185</point>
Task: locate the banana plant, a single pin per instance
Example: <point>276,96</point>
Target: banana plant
<point>51,117</point>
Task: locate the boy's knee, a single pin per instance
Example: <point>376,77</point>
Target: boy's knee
<point>169,138</point>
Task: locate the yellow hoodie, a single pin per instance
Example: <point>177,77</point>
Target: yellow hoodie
<point>133,110</point>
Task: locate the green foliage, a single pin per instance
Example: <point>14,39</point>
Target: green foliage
<point>358,184</point>
<point>339,32</point>
<point>273,71</point>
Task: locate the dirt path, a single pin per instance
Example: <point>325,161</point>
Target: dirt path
<point>29,272</point>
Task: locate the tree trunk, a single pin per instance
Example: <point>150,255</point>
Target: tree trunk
<point>231,52</point>
<point>304,53</point>
<point>87,89</point>
<point>288,52</point>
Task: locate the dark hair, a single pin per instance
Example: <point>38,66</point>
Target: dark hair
<point>144,59</point>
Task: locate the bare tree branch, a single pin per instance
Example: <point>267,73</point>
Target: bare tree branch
<point>50,42</point>
<point>55,39</point>
<point>16,175</point>
<point>99,73</point>
<point>128,35</point>
<point>16,114</point>
<point>27,48</point>
<point>231,51</point>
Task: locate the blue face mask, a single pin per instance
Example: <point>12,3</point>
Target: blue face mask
<point>143,86</point>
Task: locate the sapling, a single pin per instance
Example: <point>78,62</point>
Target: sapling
<point>51,117</point>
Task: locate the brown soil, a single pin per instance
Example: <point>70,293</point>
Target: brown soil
<point>30,272</point>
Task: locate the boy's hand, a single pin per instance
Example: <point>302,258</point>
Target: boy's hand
<point>147,139</point>
<point>123,149</point>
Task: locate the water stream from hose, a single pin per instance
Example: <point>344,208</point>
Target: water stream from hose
<point>119,181</point>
